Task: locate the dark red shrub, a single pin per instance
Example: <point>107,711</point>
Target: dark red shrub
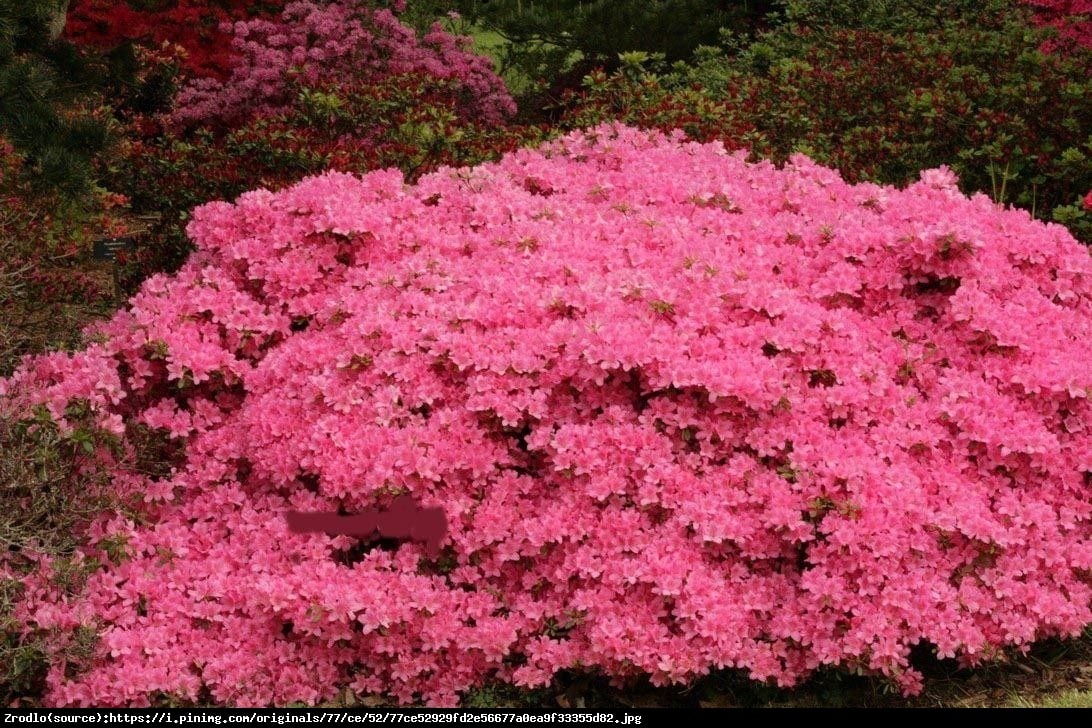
<point>192,24</point>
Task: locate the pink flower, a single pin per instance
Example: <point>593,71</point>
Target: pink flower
<point>941,178</point>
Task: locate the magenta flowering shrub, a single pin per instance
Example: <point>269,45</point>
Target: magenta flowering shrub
<point>314,43</point>
<point>682,413</point>
<point>1071,18</point>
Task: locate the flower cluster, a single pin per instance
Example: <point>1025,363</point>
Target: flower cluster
<point>194,25</point>
<point>682,412</point>
<point>1072,19</point>
<point>311,43</point>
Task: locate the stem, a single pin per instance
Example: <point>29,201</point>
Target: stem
<point>1004,181</point>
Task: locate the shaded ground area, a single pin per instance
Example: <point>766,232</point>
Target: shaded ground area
<point>1053,674</point>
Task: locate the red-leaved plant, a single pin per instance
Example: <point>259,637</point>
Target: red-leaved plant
<point>194,25</point>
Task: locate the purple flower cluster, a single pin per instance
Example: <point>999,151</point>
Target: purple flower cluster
<point>315,43</point>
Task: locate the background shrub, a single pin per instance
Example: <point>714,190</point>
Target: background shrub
<point>882,103</point>
<point>891,15</point>
<point>48,288</point>
<point>192,25</point>
<point>551,45</point>
<point>323,43</point>
<point>42,83</point>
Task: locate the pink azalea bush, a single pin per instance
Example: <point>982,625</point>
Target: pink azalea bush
<point>682,413</point>
<point>313,43</point>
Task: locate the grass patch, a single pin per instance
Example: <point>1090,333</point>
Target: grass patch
<point>1068,699</point>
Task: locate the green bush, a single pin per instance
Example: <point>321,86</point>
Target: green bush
<point>892,15</point>
<point>546,40</point>
<point>601,29</point>
<point>882,104</point>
